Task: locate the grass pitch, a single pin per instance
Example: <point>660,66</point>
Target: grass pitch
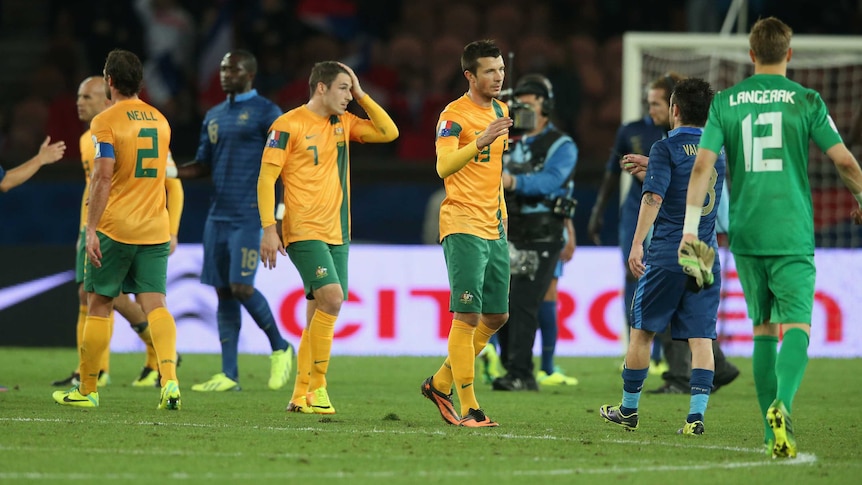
<point>385,432</point>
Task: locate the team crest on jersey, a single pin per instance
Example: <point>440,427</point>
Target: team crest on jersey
<point>466,298</point>
<point>212,131</point>
<point>321,272</point>
<point>242,118</point>
<point>339,130</point>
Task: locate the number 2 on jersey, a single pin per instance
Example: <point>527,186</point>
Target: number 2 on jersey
<point>140,171</point>
<point>753,146</point>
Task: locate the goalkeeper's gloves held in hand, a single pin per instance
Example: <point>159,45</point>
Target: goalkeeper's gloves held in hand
<point>697,259</point>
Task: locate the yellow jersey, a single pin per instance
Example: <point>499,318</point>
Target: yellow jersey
<point>88,151</point>
<point>136,135</point>
<point>313,154</point>
<point>474,202</point>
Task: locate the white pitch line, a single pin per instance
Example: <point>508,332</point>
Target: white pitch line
<point>802,458</point>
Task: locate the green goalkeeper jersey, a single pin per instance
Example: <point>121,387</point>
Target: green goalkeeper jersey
<point>764,124</point>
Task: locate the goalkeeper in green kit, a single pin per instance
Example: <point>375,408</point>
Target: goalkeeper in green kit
<point>765,123</point>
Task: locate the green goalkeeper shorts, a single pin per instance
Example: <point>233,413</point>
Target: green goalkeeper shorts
<point>778,289</point>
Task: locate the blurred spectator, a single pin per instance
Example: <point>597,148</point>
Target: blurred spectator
<point>313,50</point>
<point>169,46</point>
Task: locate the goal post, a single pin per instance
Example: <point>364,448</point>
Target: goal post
<point>832,65</point>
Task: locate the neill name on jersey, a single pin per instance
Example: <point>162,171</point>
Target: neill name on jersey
<point>141,115</point>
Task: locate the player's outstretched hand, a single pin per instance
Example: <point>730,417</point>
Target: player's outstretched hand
<point>634,163</point>
<point>51,152</point>
<point>495,129</point>
<point>697,259</point>
<point>270,247</point>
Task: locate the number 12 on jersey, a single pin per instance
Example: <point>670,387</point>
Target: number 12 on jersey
<point>753,146</point>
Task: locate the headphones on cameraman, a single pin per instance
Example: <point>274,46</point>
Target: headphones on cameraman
<point>540,86</point>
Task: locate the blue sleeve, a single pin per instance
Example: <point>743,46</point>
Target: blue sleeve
<point>561,160</point>
<point>205,150</point>
<point>658,171</point>
<point>722,219</point>
<point>621,147</point>
<point>2,173</point>
<point>273,114</point>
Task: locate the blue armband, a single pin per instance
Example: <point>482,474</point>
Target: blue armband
<point>104,150</point>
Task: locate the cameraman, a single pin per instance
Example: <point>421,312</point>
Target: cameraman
<point>537,178</point>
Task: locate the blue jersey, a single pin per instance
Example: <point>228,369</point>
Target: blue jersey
<point>670,164</point>
<point>2,174</point>
<point>231,144</point>
<point>635,137</point>
<point>554,179</point>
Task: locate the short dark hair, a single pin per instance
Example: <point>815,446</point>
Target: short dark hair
<point>667,81</point>
<point>126,70</point>
<point>324,72</point>
<point>247,59</point>
<point>476,50</point>
<point>693,96</point>
<point>770,40</point>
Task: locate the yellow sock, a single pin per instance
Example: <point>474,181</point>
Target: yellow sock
<point>462,357</point>
<point>163,329</point>
<point>95,341</point>
<point>147,338</point>
<point>320,337</point>
<point>443,378</point>
<point>303,367</point>
<point>79,333</point>
<point>105,362</point>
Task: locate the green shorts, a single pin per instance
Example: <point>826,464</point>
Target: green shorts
<point>80,256</point>
<point>778,289</point>
<point>478,274</point>
<point>128,268</point>
<point>320,264</point>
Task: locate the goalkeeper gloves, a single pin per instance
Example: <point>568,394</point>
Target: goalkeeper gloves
<point>696,259</point>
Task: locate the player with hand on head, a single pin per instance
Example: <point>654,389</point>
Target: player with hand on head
<point>664,296</point>
<point>233,134</point>
<point>309,148</point>
<point>128,229</point>
<point>472,134</point>
<point>765,123</point>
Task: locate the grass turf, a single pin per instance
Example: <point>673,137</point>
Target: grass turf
<point>386,432</point>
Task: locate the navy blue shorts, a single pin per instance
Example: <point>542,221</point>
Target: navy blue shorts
<point>661,298</point>
<point>231,252</point>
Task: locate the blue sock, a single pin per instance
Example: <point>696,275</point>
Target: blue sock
<point>258,308</point>
<point>229,321</point>
<point>633,382</point>
<point>701,385</point>
<point>548,326</point>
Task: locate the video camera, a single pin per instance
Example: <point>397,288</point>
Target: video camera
<point>523,262</point>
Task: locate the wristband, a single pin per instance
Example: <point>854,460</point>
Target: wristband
<point>171,171</point>
<point>692,219</point>
<point>279,211</point>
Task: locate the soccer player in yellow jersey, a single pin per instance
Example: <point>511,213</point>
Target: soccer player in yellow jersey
<point>309,147</point>
<point>128,228</point>
<point>472,135</point>
<point>92,100</point>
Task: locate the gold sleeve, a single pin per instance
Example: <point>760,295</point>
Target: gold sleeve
<point>450,159</point>
<point>266,193</point>
<point>176,201</point>
<point>384,128</point>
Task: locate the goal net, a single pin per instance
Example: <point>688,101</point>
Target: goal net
<point>832,65</point>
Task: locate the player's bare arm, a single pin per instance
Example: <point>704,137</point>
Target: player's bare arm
<point>650,205</point>
<point>100,188</point>
<point>851,175</point>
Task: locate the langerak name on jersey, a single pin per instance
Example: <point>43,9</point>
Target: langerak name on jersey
<point>763,96</point>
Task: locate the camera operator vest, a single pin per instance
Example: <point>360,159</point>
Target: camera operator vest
<point>541,226</point>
